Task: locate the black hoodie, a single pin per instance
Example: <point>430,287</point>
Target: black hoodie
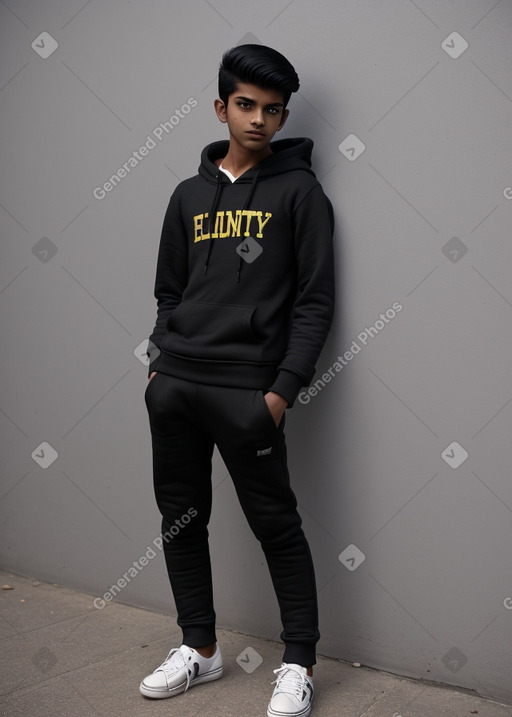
<point>245,274</point>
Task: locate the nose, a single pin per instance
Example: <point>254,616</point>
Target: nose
<point>258,118</point>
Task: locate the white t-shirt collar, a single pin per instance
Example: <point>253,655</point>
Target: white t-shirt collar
<point>227,173</point>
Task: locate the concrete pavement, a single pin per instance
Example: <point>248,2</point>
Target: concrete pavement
<point>62,657</point>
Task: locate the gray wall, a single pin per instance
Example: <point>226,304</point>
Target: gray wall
<point>423,223</point>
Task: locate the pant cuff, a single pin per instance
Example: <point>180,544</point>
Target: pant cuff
<point>199,636</point>
<point>303,654</point>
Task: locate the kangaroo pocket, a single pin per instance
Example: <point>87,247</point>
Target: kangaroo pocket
<point>213,332</point>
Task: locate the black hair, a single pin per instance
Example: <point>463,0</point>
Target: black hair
<point>256,65</point>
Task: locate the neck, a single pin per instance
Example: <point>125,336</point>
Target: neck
<point>238,160</point>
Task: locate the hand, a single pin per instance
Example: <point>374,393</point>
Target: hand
<point>153,373</point>
<point>276,405</point>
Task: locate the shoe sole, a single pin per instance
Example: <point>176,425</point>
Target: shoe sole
<point>160,694</point>
<point>306,713</point>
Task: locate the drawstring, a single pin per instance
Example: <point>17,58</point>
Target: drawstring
<point>213,212</point>
<point>247,202</point>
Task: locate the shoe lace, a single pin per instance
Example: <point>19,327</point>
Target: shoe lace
<point>290,681</point>
<point>175,661</point>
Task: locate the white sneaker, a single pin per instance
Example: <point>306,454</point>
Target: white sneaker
<point>183,667</point>
<point>293,692</point>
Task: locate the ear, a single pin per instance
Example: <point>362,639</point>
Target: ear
<point>283,119</point>
<point>221,110</point>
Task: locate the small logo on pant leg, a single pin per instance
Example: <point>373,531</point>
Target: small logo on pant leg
<point>264,452</point>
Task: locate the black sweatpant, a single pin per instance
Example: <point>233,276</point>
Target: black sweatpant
<point>187,419</point>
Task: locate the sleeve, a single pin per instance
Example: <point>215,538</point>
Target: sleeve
<point>313,308</point>
<point>171,276</point>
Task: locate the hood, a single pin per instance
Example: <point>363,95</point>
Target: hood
<point>287,155</point>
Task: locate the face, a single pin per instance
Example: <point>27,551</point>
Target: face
<point>253,116</point>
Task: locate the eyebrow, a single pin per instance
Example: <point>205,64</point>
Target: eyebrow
<point>270,104</point>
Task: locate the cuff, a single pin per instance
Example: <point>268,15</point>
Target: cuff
<point>287,385</point>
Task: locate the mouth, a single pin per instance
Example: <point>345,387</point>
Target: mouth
<point>255,134</point>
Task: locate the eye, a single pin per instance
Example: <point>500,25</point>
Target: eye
<point>244,105</point>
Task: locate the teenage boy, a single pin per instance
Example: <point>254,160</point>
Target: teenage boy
<point>244,286</point>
